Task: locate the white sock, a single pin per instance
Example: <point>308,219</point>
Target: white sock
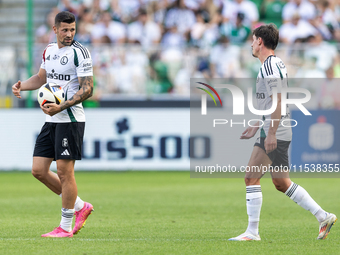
<point>321,215</point>
<point>78,205</point>
<point>66,219</point>
<point>300,196</point>
<point>254,203</point>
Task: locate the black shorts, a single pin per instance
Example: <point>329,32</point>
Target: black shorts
<point>279,156</point>
<point>60,141</point>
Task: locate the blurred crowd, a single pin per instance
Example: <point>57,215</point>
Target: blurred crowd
<point>176,23</point>
<point>149,46</point>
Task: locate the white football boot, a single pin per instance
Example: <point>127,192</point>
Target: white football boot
<point>246,237</point>
<point>326,225</point>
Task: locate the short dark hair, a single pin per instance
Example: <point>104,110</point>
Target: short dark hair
<point>240,15</point>
<point>269,34</point>
<point>142,12</point>
<point>64,16</point>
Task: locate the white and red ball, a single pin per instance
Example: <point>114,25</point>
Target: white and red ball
<point>51,93</point>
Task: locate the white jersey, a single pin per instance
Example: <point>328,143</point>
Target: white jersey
<point>63,66</point>
<point>272,74</point>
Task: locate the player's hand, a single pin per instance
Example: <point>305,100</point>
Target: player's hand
<point>16,88</point>
<point>270,143</point>
<point>50,108</point>
<point>249,133</point>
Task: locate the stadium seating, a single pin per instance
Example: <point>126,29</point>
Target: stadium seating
<point>13,19</point>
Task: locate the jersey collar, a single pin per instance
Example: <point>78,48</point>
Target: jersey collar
<point>269,57</point>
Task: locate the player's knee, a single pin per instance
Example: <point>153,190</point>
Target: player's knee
<point>280,185</point>
<point>251,181</point>
<point>61,174</point>
<point>37,173</point>
<point>64,174</point>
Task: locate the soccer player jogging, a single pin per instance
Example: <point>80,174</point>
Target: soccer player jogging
<point>271,147</point>
<point>68,64</point>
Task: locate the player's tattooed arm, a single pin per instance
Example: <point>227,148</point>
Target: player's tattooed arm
<point>85,91</point>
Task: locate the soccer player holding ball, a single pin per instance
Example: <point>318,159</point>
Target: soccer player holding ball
<point>68,64</point>
<point>271,147</point>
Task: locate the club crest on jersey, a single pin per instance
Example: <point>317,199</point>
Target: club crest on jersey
<point>55,57</point>
<point>64,60</point>
<point>57,76</point>
<point>64,142</point>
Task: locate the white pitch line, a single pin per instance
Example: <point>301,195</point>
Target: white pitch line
<point>72,239</point>
<point>108,240</point>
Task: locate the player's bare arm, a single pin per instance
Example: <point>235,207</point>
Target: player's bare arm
<point>85,92</point>
<point>35,82</point>
<point>270,143</point>
<point>250,132</point>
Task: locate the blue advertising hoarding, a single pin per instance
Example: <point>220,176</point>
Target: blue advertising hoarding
<point>316,138</point>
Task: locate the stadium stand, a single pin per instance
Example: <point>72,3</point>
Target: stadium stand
<point>13,19</point>
<point>144,48</point>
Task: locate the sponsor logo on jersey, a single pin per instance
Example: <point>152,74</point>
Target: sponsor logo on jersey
<point>48,58</point>
<point>56,76</point>
<point>272,83</point>
<point>260,96</point>
<point>64,60</point>
<point>55,57</point>
<point>87,67</point>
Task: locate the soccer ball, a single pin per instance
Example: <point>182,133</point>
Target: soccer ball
<point>51,93</point>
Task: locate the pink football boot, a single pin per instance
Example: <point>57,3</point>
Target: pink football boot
<point>81,217</point>
<point>58,232</point>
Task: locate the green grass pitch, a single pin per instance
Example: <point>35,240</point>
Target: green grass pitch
<point>162,213</point>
